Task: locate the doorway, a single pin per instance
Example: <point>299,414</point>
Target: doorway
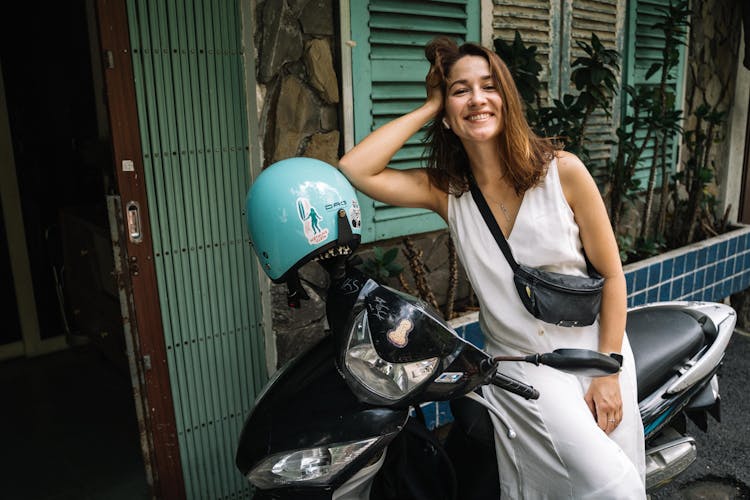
<point>72,430</point>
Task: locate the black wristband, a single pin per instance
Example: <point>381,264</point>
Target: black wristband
<point>617,357</point>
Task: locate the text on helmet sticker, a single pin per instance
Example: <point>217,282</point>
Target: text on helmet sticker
<point>311,221</point>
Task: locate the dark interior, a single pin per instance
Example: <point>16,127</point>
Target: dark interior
<point>71,404</point>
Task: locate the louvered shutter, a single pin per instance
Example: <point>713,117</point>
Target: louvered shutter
<point>538,23</point>
<point>644,47</point>
<point>554,26</point>
<point>389,68</point>
<point>587,17</point>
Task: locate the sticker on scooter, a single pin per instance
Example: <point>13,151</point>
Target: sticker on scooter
<point>400,335</point>
<point>449,377</point>
<point>354,215</point>
<point>311,221</point>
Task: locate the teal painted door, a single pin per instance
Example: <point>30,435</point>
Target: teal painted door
<point>190,94</point>
<point>389,67</point>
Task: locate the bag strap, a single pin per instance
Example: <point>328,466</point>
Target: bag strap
<point>491,222</point>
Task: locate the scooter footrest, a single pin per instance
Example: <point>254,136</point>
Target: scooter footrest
<point>665,461</point>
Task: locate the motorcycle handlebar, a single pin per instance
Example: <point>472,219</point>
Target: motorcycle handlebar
<point>514,386</point>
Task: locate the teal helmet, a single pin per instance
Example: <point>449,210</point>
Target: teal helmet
<point>301,209</point>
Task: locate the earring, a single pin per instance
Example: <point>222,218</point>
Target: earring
<point>445,124</point>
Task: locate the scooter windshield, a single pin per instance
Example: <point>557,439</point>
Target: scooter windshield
<point>404,328</point>
<point>395,345</point>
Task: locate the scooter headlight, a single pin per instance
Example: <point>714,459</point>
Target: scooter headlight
<point>392,381</point>
<point>309,466</point>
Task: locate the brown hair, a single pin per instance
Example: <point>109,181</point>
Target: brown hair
<point>523,154</point>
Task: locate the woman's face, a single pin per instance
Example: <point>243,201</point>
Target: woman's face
<point>473,105</point>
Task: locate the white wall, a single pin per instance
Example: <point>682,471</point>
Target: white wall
<point>731,184</point>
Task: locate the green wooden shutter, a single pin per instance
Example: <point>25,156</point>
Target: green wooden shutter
<point>389,68</point>
<point>643,48</point>
<point>554,26</point>
<point>538,22</point>
<point>190,92</point>
<point>584,17</point>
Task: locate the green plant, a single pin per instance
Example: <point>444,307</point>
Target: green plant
<point>524,67</point>
<point>693,212</point>
<point>652,122</point>
<point>595,77</point>
<point>566,119</point>
<point>665,118</point>
<point>680,208</point>
<point>622,185</point>
<point>381,265</point>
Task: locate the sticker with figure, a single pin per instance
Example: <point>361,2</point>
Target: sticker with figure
<point>311,222</point>
<point>400,336</point>
<point>354,215</point>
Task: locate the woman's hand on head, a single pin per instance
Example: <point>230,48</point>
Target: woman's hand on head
<point>435,98</point>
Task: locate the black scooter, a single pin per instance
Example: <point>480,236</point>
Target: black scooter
<point>342,420</point>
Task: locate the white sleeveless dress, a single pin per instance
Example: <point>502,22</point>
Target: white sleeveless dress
<point>559,451</point>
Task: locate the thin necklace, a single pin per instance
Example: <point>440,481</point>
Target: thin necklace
<point>505,211</point>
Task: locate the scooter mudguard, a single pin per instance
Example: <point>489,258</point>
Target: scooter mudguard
<point>308,404</point>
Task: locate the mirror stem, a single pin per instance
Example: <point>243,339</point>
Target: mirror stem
<point>531,358</point>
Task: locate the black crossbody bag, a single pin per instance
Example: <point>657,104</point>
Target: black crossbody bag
<point>556,298</point>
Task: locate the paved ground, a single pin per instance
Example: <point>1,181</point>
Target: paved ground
<point>722,470</point>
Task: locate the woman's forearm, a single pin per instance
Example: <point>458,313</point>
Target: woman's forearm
<point>613,314</point>
<point>372,155</point>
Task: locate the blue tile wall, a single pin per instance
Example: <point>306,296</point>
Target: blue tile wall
<point>629,280</point>
<point>665,292</point>
<point>641,279</point>
<point>679,265</point>
<point>711,271</point>
<point>654,274</point>
<point>702,257</point>
<point>712,252</point>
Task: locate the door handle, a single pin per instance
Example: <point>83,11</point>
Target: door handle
<point>133,214</point>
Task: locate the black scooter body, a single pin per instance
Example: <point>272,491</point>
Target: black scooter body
<point>310,403</point>
<point>311,384</point>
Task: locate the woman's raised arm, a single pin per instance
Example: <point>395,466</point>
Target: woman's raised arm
<point>365,165</point>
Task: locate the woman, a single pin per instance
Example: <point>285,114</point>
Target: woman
<point>583,437</point>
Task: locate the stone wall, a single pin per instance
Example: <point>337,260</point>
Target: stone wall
<point>297,78</point>
<point>298,92</point>
<point>713,52</point>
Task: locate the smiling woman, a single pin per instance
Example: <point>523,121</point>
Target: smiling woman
<point>551,213</point>
<point>473,106</point>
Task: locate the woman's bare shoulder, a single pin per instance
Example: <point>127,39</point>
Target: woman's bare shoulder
<point>568,161</point>
<point>575,178</point>
<point>570,168</point>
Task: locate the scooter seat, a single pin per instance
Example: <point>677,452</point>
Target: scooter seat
<point>661,340</point>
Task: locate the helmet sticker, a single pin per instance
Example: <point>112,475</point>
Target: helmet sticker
<point>354,215</point>
<point>311,220</point>
<point>400,335</point>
